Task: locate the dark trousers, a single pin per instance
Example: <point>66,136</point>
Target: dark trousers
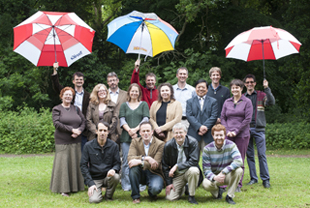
<point>84,140</point>
<point>242,144</point>
<point>260,141</point>
<point>138,176</point>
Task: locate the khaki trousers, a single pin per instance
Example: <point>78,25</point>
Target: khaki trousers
<point>191,176</point>
<point>231,180</point>
<point>110,183</point>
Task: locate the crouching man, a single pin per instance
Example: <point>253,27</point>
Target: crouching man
<point>100,165</point>
<point>144,156</point>
<point>180,164</point>
<point>221,162</point>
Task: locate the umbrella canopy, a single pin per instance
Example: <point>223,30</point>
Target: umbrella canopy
<point>142,33</point>
<point>49,37</point>
<point>262,43</point>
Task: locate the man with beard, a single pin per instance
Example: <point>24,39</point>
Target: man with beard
<point>81,98</point>
<point>221,162</point>
<point>100,164</point>
<point>149,93</point>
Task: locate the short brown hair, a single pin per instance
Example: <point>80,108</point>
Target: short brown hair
<point>160,98</point>
<point>128,91</point>
<point>150,74</point>
<point>218,127</point>
<point>64,90</point>
<point>215,69</point>
<point>237,82</point>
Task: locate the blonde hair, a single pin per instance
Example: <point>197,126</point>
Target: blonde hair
<point>215,69</point>
<point>94,99</point>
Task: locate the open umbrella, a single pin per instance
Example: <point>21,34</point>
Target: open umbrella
<point>142,33</point>
<point>49,37</point>
<point>262,43</point>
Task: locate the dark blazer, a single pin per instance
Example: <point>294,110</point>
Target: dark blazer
<point>58,87</point>
<point>96,161</point>
<point>136,151</point>
<point>170,157</point>
<point>197,118</point>
<point>122,97</point>
<point>109,116</point>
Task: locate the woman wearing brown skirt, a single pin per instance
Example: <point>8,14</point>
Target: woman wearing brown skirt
<point>69,123</point>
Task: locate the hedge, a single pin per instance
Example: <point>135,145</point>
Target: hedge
<point>28,131</point>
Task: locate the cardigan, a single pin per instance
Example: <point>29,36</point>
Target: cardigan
<point>132,117</point>
<point>173,116</point>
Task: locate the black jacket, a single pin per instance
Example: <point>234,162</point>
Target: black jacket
<point>170,157</point>
<point>97,161</point>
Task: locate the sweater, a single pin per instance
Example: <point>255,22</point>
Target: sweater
<point>132,117</point>
<point>221,94</point>
<point>227,159</point>
<point>148,95</point>
<point>66,120</point>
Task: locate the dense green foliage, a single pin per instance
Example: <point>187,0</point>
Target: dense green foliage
<point>26,131</point>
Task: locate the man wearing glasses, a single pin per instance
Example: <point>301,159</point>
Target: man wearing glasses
<point>257,127</point>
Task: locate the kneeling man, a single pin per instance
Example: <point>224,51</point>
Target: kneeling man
<point>144,156</point>
<point>100,164</point>
<point>180,164</point>
<point>221,162</point>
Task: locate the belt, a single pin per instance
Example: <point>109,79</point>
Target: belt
<point>184,118</point>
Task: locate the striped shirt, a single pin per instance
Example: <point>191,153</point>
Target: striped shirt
<point>226,159</point>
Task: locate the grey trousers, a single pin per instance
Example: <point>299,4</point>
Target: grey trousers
<point>231,180</point>
<point>191,176</point>
<point>110,183</point>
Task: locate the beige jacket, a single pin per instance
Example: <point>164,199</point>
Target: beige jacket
<point>173,116</point>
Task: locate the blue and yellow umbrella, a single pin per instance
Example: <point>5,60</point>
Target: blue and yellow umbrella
<point>142,33</point>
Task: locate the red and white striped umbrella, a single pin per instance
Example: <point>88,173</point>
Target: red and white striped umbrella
<point>49,37</point>
<point>262,43</point>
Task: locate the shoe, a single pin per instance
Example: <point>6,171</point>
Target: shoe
<point>136,201</point>
<point>65,194</point>
<point>142,188</point>
<point>266,184</point>
<point>220,194</point>
<point>238,189</point>
<point>192,200</point>
<point>107,199</point>
<point>153,198</point>
<point>186,190</point>
<point>252,181</point>
<point>229,200</point>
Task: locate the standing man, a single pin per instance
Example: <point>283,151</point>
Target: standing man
<point>81,98</point>
<point>144,156</point>
<point>180,164</point>
<point>149,93</point>
<point>118,96</point>
<point>217,91</point>
<point>201,113</point>
<point>183,92</point>
<point>100,164</point>
<point>257,127</point>
<point>221,162</point>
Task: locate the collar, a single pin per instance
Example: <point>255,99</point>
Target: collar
<point>185,143</point>
<point>204,97</point>
<point>224,143</point>
<point>81,93</point>
<point>97,146</point>
<point>117,91</point>
<point>149,143</point>
<point>178,88</point>
<point>218,87</point>
<point>251,94</point>
<point>150,89</point>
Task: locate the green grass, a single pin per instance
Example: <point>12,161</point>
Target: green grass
<point>25,183</point>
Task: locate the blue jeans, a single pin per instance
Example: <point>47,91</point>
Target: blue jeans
<point>153,181</point>
<point>260,141</point>
<point>125,168</point>
<point>84,140</point>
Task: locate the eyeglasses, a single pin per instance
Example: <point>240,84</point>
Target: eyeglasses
<point>112,80</point>
<point>101,91</point>
<point>250,82</point>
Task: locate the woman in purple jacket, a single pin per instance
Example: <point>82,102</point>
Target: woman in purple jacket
<point>236,117</point>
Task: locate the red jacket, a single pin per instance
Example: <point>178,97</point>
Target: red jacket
<point>148,95</point>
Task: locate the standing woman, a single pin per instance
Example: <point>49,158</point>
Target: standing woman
<point>131,114</point>
<point>101,108</point>
<point>236,117</point>
<point>69,123</point>
<point>165,112</point>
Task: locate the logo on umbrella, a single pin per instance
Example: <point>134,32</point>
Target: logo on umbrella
<point>76,55</point>
<point>139,48</point>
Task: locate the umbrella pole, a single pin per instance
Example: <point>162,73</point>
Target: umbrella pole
<point>263,59</point>
<point>54,36</point>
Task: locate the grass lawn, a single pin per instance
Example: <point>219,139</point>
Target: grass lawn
<point>25,183</point>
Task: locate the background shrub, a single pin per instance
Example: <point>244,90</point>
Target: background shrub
<point>295,135</point>
<point>26,131</point>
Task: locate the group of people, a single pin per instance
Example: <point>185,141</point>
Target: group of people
<point>160,133</point>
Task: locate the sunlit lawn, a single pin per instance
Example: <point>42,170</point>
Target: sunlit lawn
<point>25,183</point>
